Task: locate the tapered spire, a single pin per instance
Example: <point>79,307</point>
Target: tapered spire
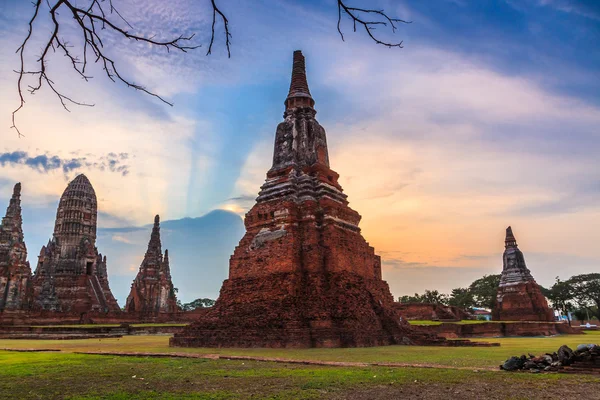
<point>12,223</point>
<point>166,268</point>
<point>510,240</point>
<point>154,245</point>
<point>299,95</point>
<point>76,215</point>
<point>152,289</point>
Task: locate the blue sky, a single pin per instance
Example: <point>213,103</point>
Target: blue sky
<point>487,117</point>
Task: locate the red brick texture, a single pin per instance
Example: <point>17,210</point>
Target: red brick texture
<point>429,311</point>
<point>522,302</point>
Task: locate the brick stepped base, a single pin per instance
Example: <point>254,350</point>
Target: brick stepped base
<point>499,329</point>
<point>296,311</point>
<point>92,332</point>
<point>61,337</point>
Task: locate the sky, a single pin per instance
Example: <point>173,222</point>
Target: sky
<point>488,116</point>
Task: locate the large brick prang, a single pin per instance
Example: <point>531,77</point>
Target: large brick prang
<point>302,275</point>
<point>71,276</point>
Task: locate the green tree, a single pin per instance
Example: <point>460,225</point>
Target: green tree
<point>484,291</point>
<point>586,290</point>
<point>198,303</point>
<point>435,297</point>
<point>430,296</point>
<point>461,297</point>
<point>411,299</point>
<point>561,295</point>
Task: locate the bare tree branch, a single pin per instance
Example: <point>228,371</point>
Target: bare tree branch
<point>94,18</point>
<point>225,26</point>
<point>20,50</point>
<point>357,17</point>
<point>90,20</point>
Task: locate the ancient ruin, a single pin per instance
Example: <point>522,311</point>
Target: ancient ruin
<point>14,267</point>
<point>71,275</point>
<point>432,312</point>
<point>152,291</point>
<point>519,297</point>
<point>302,276</point>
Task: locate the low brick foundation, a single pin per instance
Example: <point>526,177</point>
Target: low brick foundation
<point>498,329</point>
<point>29,318</point>
<point>430,311</point>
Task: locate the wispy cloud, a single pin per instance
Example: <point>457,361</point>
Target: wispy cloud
<point>585,8</point>
<point>122,239</point>
<point>47,162</point>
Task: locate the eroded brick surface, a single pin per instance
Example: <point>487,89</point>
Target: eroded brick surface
<point>430,311</point>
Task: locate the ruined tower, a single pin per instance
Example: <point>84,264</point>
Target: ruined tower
<point>519,297</point>
<point>71,275</point>
<point>302,276</point>
<point>152,291</point>
<point>14,267</point>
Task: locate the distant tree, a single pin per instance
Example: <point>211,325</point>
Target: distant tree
<point>484,291</point>
<point>561,295</point>
<point>198,303</point>
<point>581,314</point>
<point>92,22</point>
<point>430,296</point>
<point>435,297</point>
<point>461,297</point>
<point>586,290</point>
<point>411,299</point>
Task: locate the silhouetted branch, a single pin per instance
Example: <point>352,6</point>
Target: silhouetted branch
<point>357,16</point>
<point>90,20</point>
<point>225,26</point>
<point>102,14</point>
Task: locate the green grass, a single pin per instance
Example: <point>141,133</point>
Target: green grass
<point>475,357</point>
<point>424,322</point>
<point>76,376</point>
<point>462,322</point>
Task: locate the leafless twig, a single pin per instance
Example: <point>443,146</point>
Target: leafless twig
<point>225,26</point>
<point>357,16</point>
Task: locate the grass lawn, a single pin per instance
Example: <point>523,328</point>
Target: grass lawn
<point>476,357</point>
<point>462,322</point>
<point>77,376</point>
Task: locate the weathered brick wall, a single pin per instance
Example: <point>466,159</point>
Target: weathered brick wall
<point>498,329</point>
<point>522,302</point>
<point>429,311</point>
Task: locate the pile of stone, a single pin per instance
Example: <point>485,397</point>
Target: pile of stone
<point>587,355</point>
